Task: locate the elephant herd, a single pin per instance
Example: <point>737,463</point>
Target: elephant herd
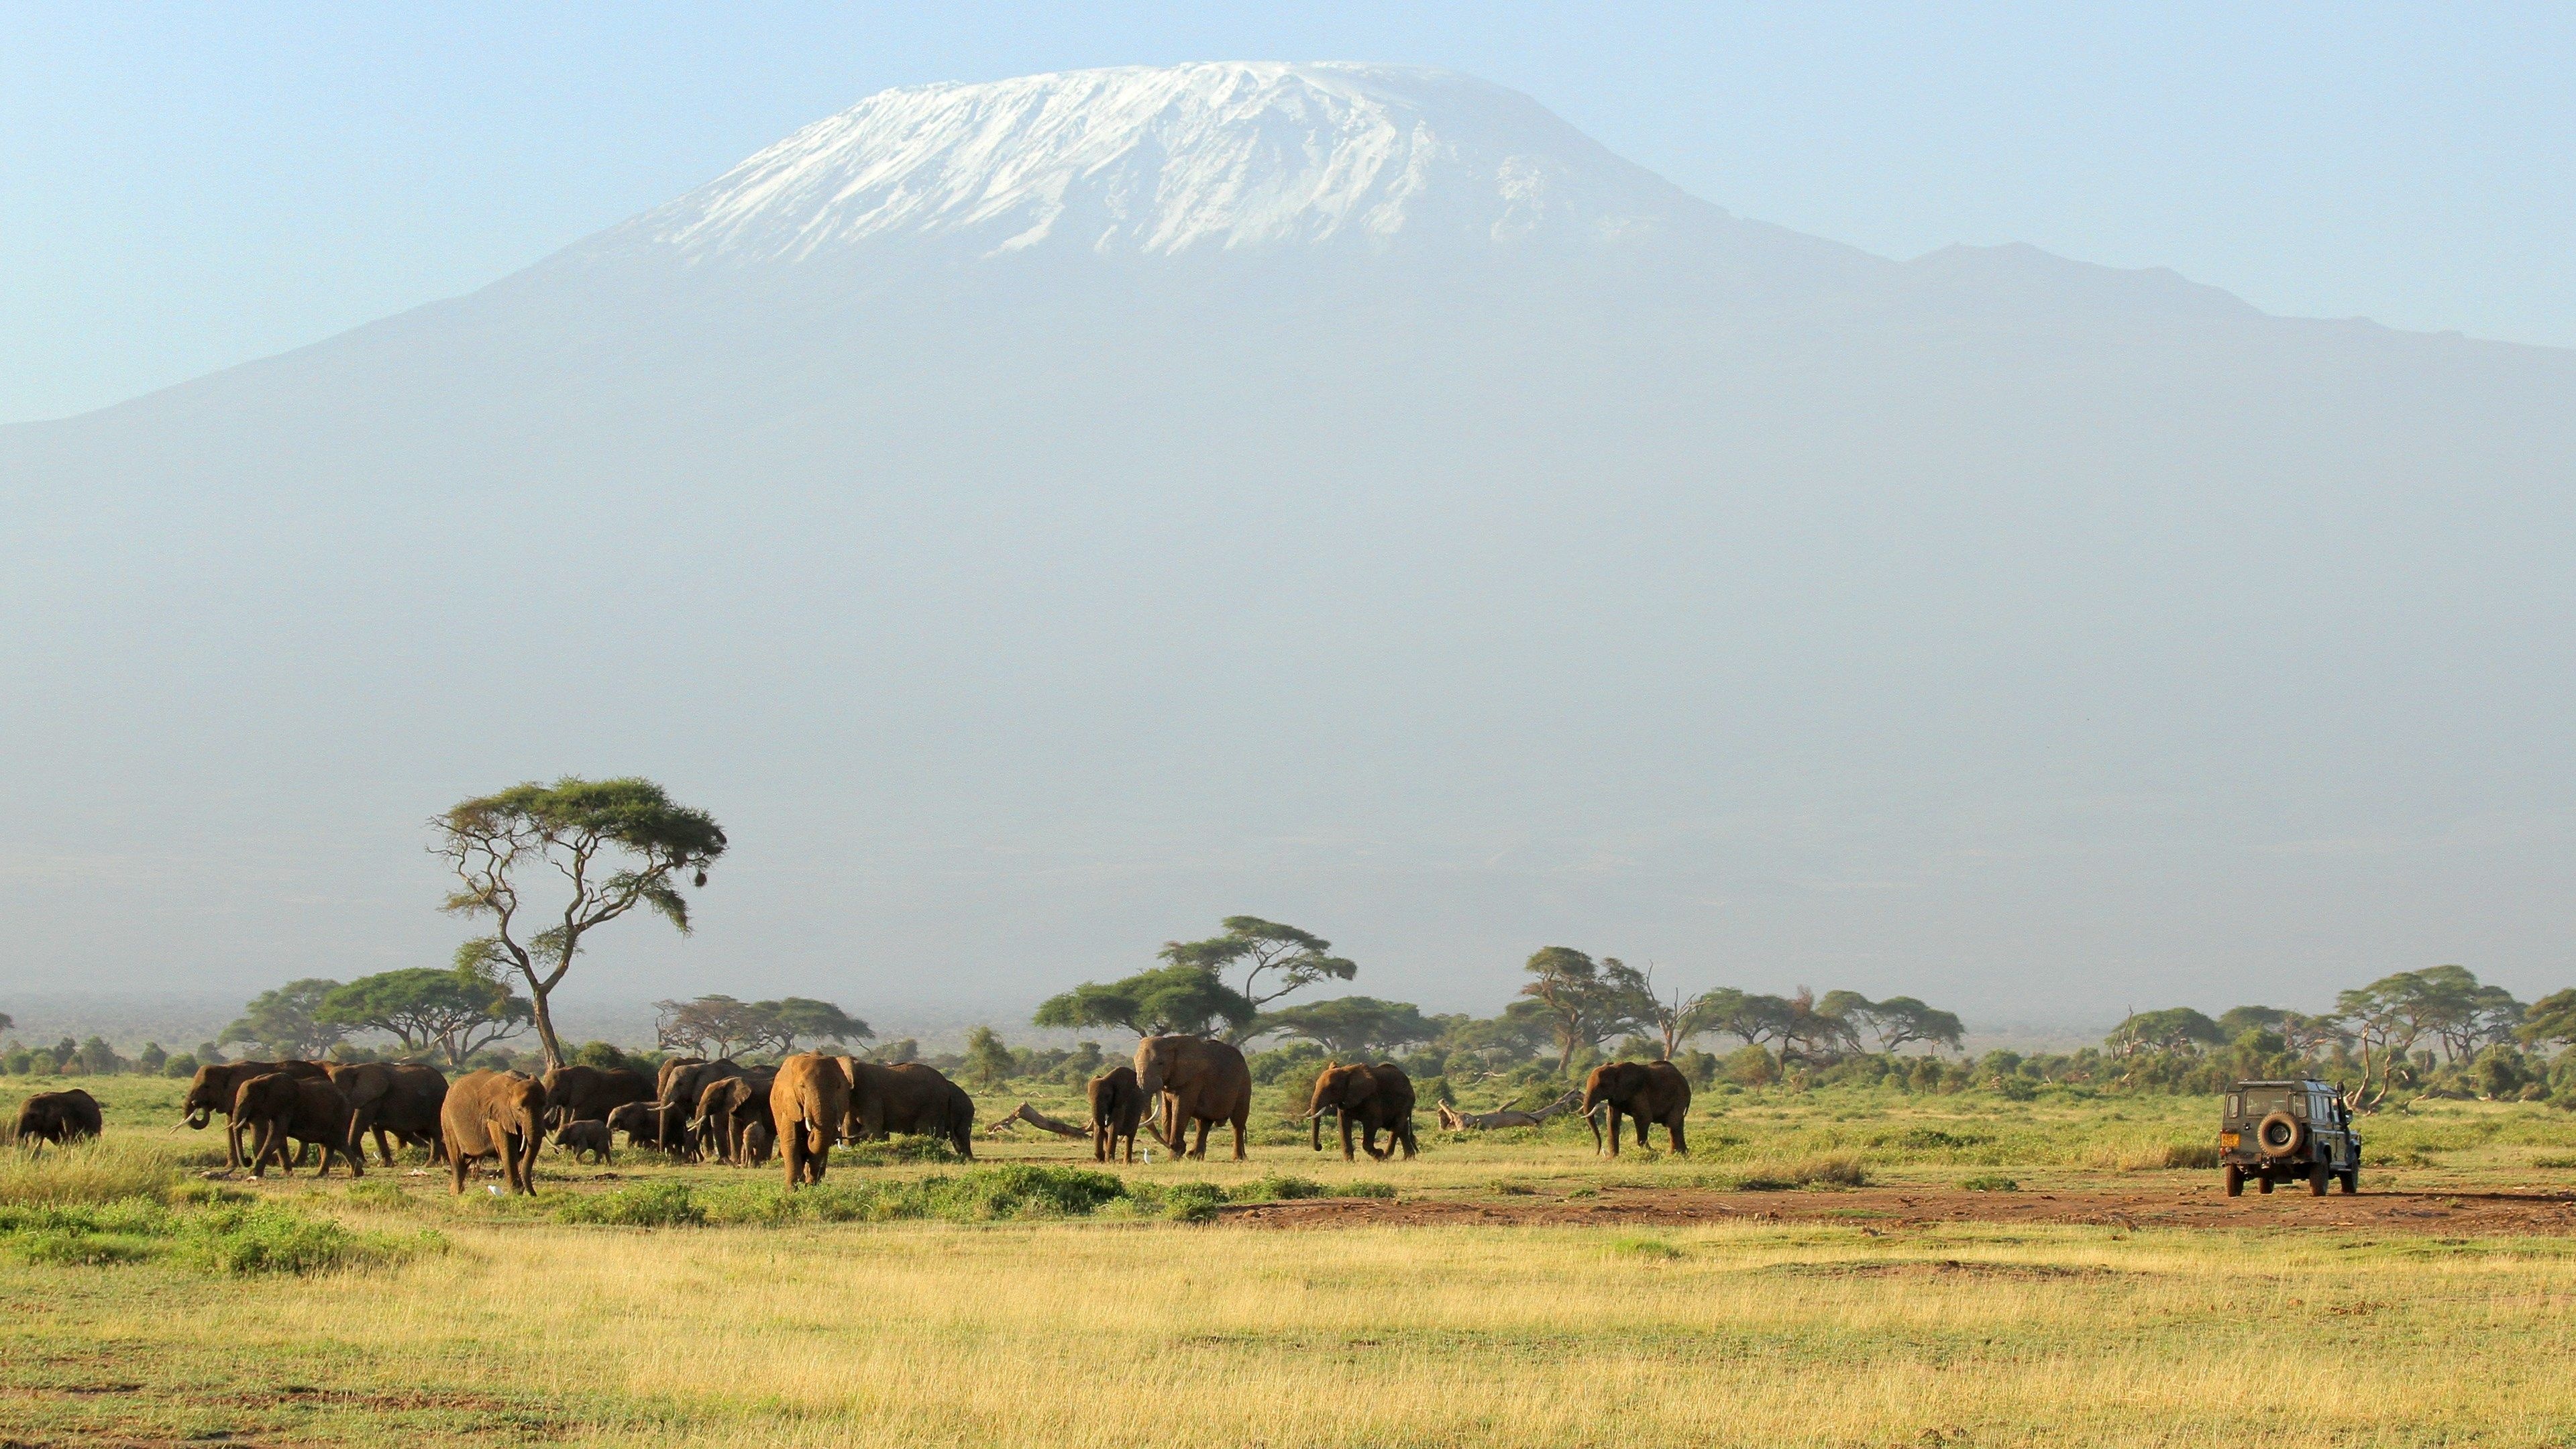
<point>697,1110</point>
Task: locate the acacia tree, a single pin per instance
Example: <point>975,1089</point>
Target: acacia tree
<point>1291,958</point>
<point>1353,1026</point>
<point>286,1022</point>
<point>1586,1001</point>
<point>612,845</point>
<point>726,1024</point>
<point>1901,1020</point>
<point>1176,998</point>
<point>459,1012</point>
<point>2550,1021</point>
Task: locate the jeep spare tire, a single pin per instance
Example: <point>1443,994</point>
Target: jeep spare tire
<point>2280,1135</point>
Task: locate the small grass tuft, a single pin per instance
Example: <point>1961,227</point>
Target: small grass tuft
<point>1650,1249</point>
<point>1989,1182</point>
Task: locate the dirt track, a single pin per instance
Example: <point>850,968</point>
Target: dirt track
<point>2439,1214</point>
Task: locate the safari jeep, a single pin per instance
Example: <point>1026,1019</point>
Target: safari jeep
<point>2274,1132</point>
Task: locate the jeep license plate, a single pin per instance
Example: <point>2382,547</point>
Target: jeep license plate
<point>2227,1141</point>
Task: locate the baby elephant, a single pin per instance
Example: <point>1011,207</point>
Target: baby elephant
<point>580,1138</point>
<point>1116,1107</point>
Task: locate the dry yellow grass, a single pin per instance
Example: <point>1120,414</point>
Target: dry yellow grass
<point>1097,1335</point>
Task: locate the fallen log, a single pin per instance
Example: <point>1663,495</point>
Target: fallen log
<point>1453,1120</point>
<point>1035,1118</point>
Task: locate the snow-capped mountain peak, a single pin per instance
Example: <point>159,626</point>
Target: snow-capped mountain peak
<point>1144,160</point>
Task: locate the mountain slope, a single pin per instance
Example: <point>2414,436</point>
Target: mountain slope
<point>1041,518</point>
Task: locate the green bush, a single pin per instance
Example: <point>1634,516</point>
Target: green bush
<point>648,1205</point>
<point>1182,1202</point>
<point>1276,1187</point>
<point>1989,1182</point>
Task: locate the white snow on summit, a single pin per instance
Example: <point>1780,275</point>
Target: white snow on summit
<point>1161,161</point>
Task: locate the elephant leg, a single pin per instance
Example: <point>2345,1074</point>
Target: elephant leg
<point>1346,1134</point>
<point>1614,1131</point>
<point>1200,1151</point>
<point>792,1153</point>
<point>455,1164</point>
<point>232,1142</point>
<point>1242,1119</point>
<point>1673,1129</point>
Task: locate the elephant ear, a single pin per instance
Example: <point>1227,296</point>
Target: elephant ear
<point>1359,1085</point>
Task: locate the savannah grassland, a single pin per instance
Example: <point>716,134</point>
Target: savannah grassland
<point>491,1321</point>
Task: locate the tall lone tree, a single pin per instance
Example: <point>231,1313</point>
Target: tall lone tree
<point>612,845</point>
<point>1292,960</point>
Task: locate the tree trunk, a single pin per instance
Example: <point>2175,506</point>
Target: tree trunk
<point>545,1025</point>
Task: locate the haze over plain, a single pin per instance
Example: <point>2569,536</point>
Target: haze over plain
<point>1040,518</point>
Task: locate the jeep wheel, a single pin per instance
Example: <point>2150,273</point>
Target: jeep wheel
<point>2317,1176</point>
<point>2351,1180</point>
<point>2235,1180</point>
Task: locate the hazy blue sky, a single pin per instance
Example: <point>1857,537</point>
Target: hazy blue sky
<point>190,186</point>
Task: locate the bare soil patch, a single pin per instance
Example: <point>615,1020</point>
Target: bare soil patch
<point>2429,1214</point>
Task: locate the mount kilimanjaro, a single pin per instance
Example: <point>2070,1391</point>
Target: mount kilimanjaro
<point>1042,517</point>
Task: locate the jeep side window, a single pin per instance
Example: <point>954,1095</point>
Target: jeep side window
<point>2236,1104</point>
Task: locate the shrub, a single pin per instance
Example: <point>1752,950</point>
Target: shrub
<point>1276,1187</point>
<point>1989,1182</point>
<point>648,1205</point>
<point>890,1151</point>
<point>1365,1189</point>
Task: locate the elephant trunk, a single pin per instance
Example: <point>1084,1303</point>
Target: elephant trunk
<point>1315,1120</point>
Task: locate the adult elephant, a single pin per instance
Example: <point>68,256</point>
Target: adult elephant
<point>1646,1092</point>
<point>1201,1081</point>
<point>396,1099</point>
<point>59,1117</point>
<point>216,1085</point>
<point>807,1105</point>
<point>911,1098</point>
<point>1117,1105</point>
<point>642,1122</point>
<point>280,1109</point>
<point>1374,1099</point>
<point>410,1110</point>
<point>728,1106</point>
<point>494,1114</point>
<point>679,1086</point>
<point>589,1094</point>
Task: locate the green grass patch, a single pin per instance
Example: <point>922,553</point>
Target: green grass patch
<point>213,1232</point>
<point>647,1205</point>
<point>984,1194</point>
<point>1989,1182</point>
<point>1650,1249</point>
